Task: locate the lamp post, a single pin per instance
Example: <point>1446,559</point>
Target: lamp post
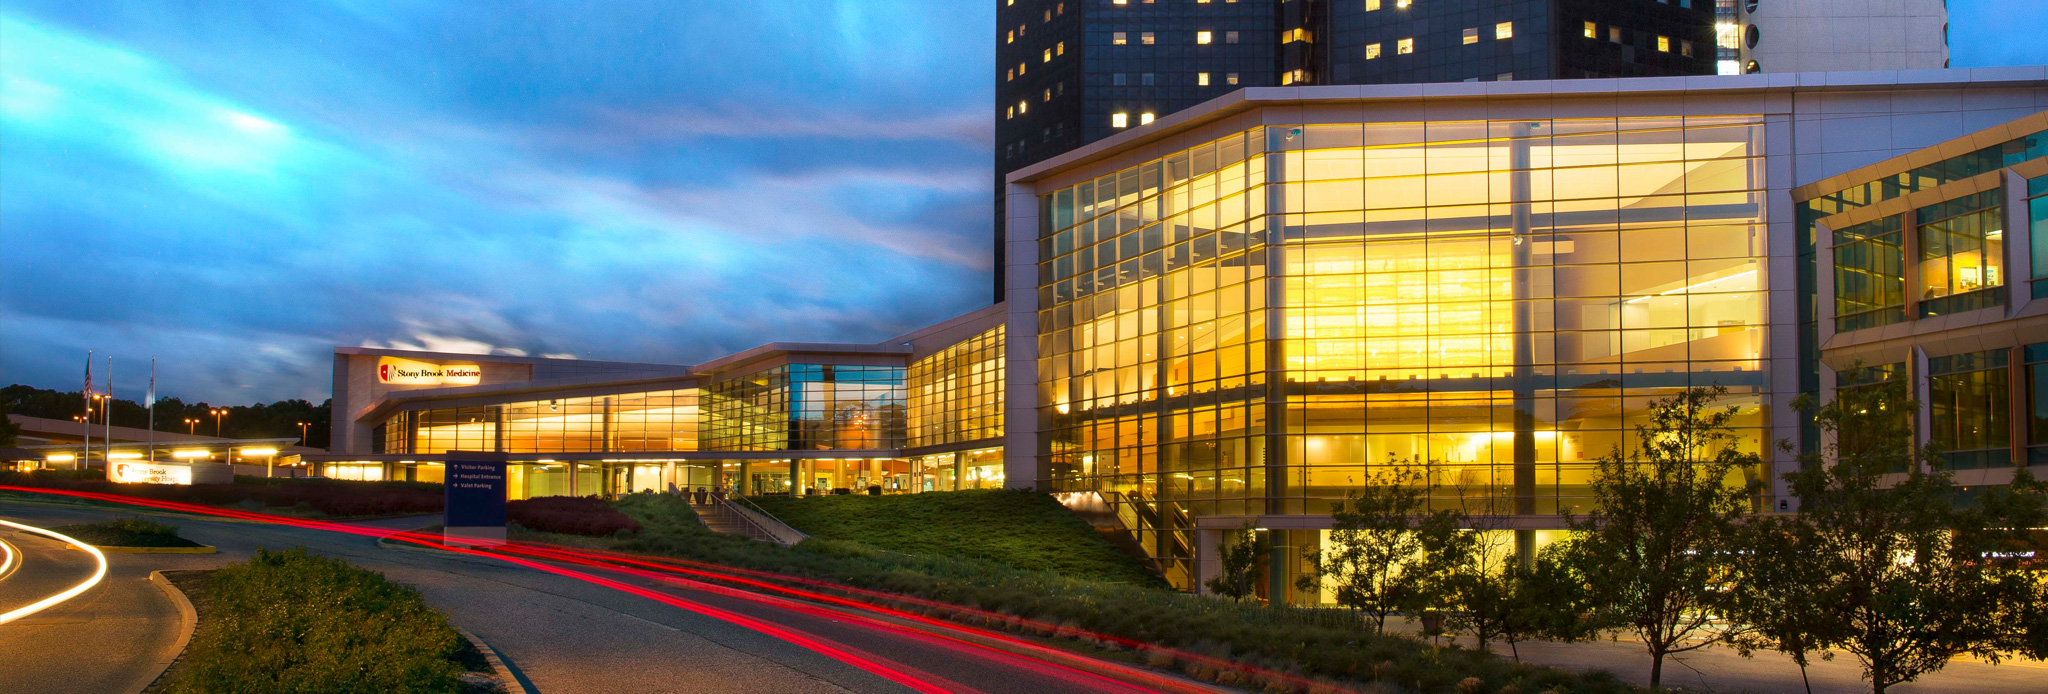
<point>85,420</point>
<point>191,426</point>
<point>302,433</point>
<point>218,413</point>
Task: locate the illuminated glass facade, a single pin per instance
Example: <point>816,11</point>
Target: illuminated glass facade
<point>1254,324</point>
<point>663,420</point>
<point>806,407</point>
<point>956,395</point>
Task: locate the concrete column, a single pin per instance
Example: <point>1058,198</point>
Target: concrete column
<point>1208,558</point>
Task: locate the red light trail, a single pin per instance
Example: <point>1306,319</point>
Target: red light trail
<point>682,572</point>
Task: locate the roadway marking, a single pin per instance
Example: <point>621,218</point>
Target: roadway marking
<point>6,562</point>
<point>98,574</point>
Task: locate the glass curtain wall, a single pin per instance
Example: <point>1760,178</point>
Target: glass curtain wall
<point>806,407</point>
<point>1258,324</point>
<point>1808,213</point>
<point>652,421</point>
<point>1970,407</point>
<point>2035,370</point>
<point>2037,221</point>
<point>956,395</point>
<point>1870,274</point>
<point>1962,254</point>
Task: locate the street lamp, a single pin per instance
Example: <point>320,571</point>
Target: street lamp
<point>86,420</point>
<point>217,414</point>
<point>302,433</point>
<point>191,425</point>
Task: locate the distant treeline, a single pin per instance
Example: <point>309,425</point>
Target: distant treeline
<point>259,421</point>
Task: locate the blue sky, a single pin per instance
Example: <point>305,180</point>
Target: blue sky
<point>236,188</point>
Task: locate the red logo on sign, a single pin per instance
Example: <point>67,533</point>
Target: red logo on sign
<point>384,372</point>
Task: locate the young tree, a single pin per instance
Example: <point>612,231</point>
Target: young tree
<point>1777,607</point>
<point>1376,562</point>
<point>1657,556</point>
<point>1482,586</point>
<point>1242,557</point>
<point>1887,560</point>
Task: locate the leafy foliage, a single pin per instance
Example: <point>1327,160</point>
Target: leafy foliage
<point>1484,589</point>
<point>1379,561</point>
<point>1025,530</point>
<point>1658,556</point>
<point>8,429</point>
<point>290,622</point>
<point>259,421</point>
<point>127,532</point>
<point>1887,560</point>
<point>1244,553</point>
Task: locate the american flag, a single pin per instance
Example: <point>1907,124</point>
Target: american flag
<point>88,378</point>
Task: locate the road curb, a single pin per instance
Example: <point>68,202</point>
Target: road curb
<point>510,683</point>
<point>202,549</point>
<point>188,620</point>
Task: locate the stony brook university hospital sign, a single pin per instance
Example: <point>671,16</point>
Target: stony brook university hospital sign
<point>406,372</point>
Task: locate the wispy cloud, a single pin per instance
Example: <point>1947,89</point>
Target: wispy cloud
<point>968,126</point>
<point>243,194</point>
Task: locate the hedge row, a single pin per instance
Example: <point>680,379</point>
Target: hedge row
<point>570,516</point>
<point>333,498</point>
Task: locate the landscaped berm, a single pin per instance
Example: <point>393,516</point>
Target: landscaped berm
<point>1023,530</point>
<point>127,532</point>
<point>289,622</point>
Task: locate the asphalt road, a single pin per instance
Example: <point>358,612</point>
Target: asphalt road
<point>561,634</point>
<point>107,639</point>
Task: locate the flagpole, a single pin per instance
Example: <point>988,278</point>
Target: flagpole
<point>107,416</point>
<point>86,461</point>
<point>149,409</point>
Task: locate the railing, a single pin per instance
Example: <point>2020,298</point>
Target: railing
<point>1111,511</point>
<point>758,523</point>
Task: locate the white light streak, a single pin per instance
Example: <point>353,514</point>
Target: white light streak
<point>98,574</point>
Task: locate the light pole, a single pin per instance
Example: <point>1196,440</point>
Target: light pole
<point>302,433</point>
<point>217,414</point>
<point>191,426</point>
<point>87,421</point>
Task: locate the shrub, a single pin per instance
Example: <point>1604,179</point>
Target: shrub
<point>570,516</point>
<point>127,532</point>
<point>289,622</point>
<point>327,497</point>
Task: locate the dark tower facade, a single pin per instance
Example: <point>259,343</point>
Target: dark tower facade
<point>1070,72</point>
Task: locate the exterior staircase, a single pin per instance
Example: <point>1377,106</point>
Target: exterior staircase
<point>732,515</point>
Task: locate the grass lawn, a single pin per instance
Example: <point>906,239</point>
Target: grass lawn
<point>127,532</point>
<point>1314,643</point>
<point>1024,530</point>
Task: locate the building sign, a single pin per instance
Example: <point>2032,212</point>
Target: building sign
<point>135,472</point>
<point>406,372</point>
<point>473,485</point>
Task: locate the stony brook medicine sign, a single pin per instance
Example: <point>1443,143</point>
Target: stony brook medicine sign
<point>406,372</point>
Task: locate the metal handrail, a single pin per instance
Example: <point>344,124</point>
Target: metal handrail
<point>740,507</point>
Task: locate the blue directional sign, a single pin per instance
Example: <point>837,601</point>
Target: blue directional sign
<point>474,483</point>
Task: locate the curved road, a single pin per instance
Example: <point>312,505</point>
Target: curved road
<point>558,633</point>
<point>107,639</point>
